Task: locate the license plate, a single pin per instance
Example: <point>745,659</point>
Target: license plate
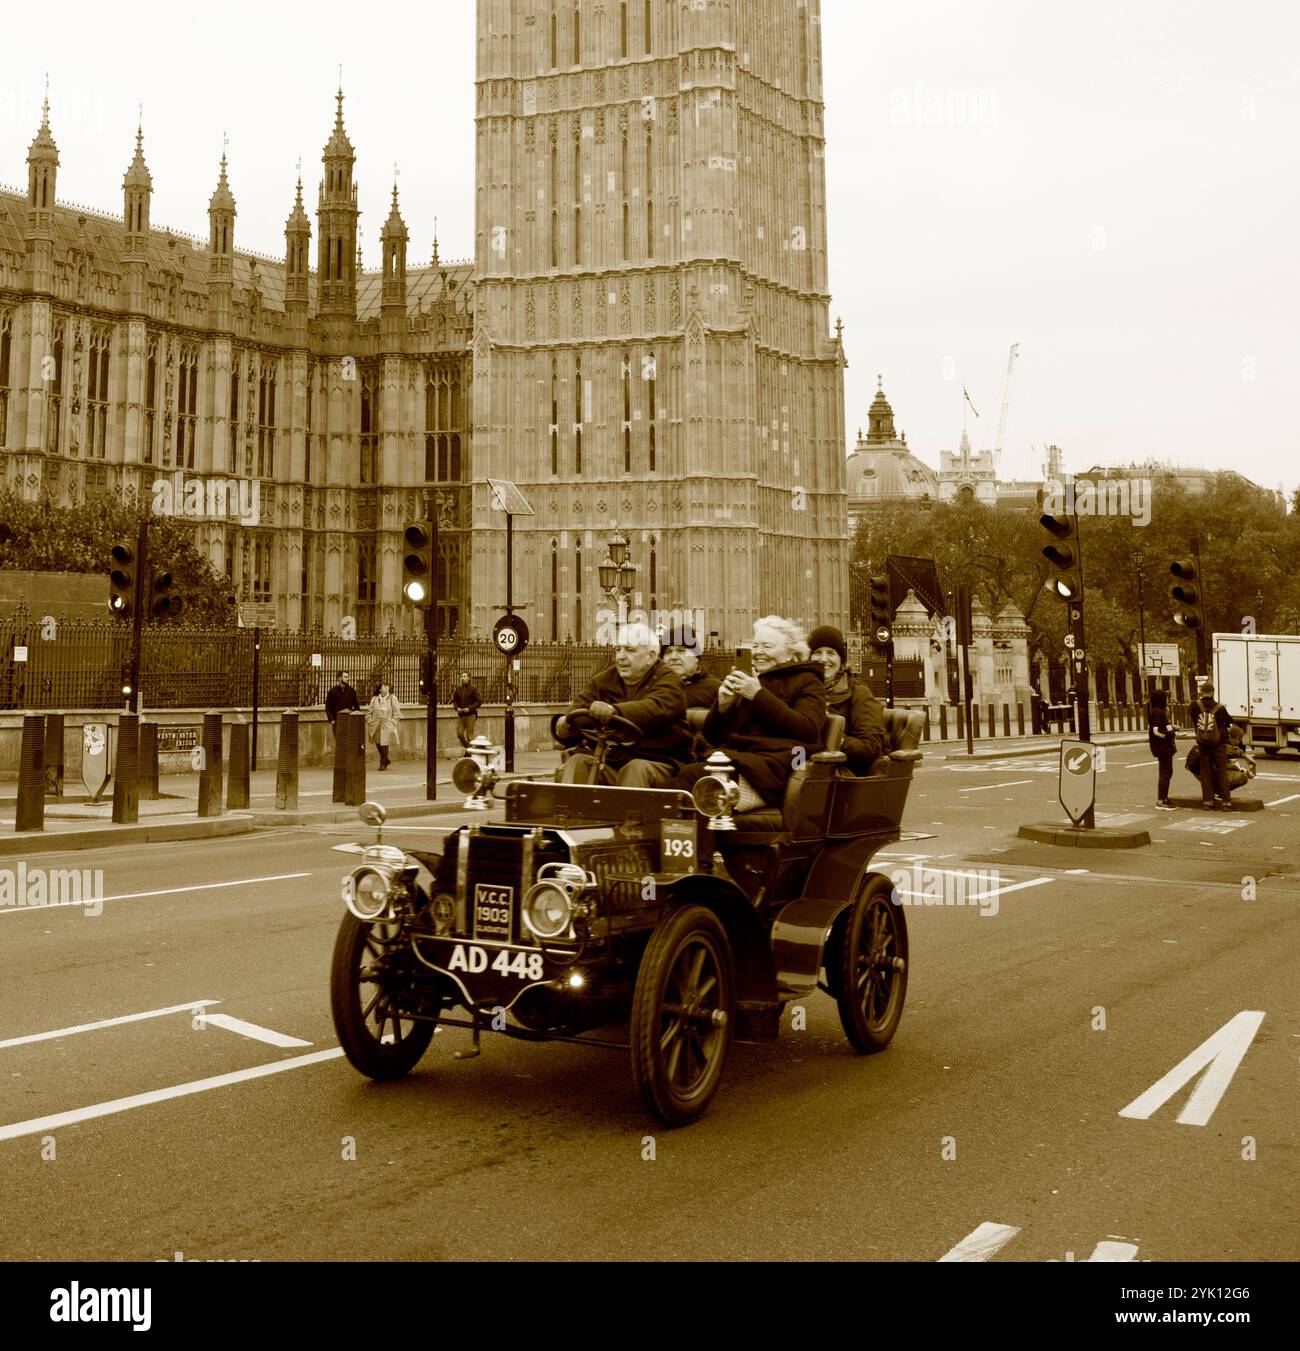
<point>677,843</point>
<point>492,910</point>
<point>519,963</point>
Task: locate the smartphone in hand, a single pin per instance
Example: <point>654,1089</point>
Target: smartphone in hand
<point>745,660</point>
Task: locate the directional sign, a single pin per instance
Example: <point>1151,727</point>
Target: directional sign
<point>507,497</point>
<point>1078,779</point>
<point>510,635</point>
<point>883,635</point>
<point>94,756</point>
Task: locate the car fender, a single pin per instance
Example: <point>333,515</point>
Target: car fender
<point>751,949</point>
<point>802,927</point>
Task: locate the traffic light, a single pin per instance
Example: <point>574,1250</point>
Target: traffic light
<point>882,611</point>
<point>121,578</point>
<point>165,604</point>
<point>426,683</point>
<point>1065,556</point>
<point>127,687</point>
<point>417,565</point>
<point>1186,592</point>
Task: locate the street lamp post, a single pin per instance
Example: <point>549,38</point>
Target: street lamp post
<point>618,574</point>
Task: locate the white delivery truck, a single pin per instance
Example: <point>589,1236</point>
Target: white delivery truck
<point>1257,679</point>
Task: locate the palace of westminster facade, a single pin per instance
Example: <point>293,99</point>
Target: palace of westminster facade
<point>642,342</point>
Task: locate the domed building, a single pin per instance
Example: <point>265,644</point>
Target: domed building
<point>882,468</point>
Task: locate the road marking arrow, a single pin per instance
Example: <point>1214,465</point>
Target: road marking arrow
<point>1219,1055</point>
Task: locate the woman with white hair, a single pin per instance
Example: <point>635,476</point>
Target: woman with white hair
<point>760,719</point>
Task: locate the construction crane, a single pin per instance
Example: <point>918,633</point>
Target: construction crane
<point>1006,401</point>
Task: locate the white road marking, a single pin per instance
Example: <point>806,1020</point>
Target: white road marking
<point>986,787</point>
<point>1219,1055</point>
<point>112,1022</point>
<point>243,1029</point>
<point>1215,827</point>
<point>1106,1251</point>
<point>1278,801</point>
<point>981,1243</point>
<point>348,848</point>
<point>141,895</point>
<point>42,1124</point>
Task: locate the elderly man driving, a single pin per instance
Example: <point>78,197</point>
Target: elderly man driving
<point>640,688</point>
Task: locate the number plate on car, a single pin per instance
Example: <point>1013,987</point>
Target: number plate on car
<point>677,852</point>
<point>520,963</point>
<point>492,910</point>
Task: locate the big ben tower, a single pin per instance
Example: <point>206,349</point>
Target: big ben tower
<point>653,349</point>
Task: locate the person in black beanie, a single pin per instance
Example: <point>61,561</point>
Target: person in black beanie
<point>865,735</point>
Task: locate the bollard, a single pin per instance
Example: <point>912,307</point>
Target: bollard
<point>961,721</point>
<point>926,732</point>
<point>147,762</point>
<point>210,771</point>
<point>943,722</point>
<point>54,755</point>
<point>30,812</point>
<point>975,721</point>
<point>1006,720</point>
<point>1020,719</point>
<point>355,793</point>
<point>237,785</point>
<point>126,791</point>
<point>286,772</point>
<point>993,721</point>
<point>340,760</point>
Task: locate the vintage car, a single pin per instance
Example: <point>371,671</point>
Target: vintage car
<point>586,909</point>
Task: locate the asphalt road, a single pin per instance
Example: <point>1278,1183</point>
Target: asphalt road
<point>1027,1032</point>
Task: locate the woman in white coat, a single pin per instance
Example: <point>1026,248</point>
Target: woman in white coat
<point>384,722</point>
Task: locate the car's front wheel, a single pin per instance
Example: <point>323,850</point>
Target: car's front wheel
<point>373,1035</point>
<point>683,1013</point>
<point>871,955</point>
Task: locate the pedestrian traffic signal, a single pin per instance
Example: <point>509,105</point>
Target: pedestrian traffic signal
<point>417,565</point>
<point>121,578</point>
<point>882,610</point>
<point>1186,592</point>
<point>165,604</point>
<point>1065,555</point>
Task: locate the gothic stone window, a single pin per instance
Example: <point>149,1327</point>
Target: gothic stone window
<point>444,424</point>
<point>265,421</point>
<point>236,367</point>
<point>97,394</point>
<point>370,419</point>
<point>367,586</point>
<point>150,401</point>
<point>187,406</point>
<point>52,425</point>
<point>6,361</point>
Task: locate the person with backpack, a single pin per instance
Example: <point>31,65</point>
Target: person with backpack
<point>1212,723</point>
<point>1160,736</point>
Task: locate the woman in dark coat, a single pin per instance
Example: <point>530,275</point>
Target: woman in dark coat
<point>865,737</point>
<point>1160,736</point>
<point>759,720</point>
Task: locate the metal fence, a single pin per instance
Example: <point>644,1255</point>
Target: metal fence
<point>81,664</point>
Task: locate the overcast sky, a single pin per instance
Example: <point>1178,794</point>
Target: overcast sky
<point>1115,186</point>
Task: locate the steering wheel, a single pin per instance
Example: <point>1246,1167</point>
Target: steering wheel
<point>617,731</point>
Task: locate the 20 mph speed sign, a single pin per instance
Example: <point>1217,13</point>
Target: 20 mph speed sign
<point>510,635</point>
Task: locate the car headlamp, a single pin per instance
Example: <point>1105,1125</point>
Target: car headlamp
<point>475,779</point>
<point>551,902</point>
<point>367,894</point>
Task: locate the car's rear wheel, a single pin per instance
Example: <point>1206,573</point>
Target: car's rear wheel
<point>871,957</point>
<point>683,1012</point>
<point>373,1035</point>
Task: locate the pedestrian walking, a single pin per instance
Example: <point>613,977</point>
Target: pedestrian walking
<point>1212,723</point>
<point>1161,737</point>
<point>341,698</point>
<point>384,722</point>
<point>465,699</point>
